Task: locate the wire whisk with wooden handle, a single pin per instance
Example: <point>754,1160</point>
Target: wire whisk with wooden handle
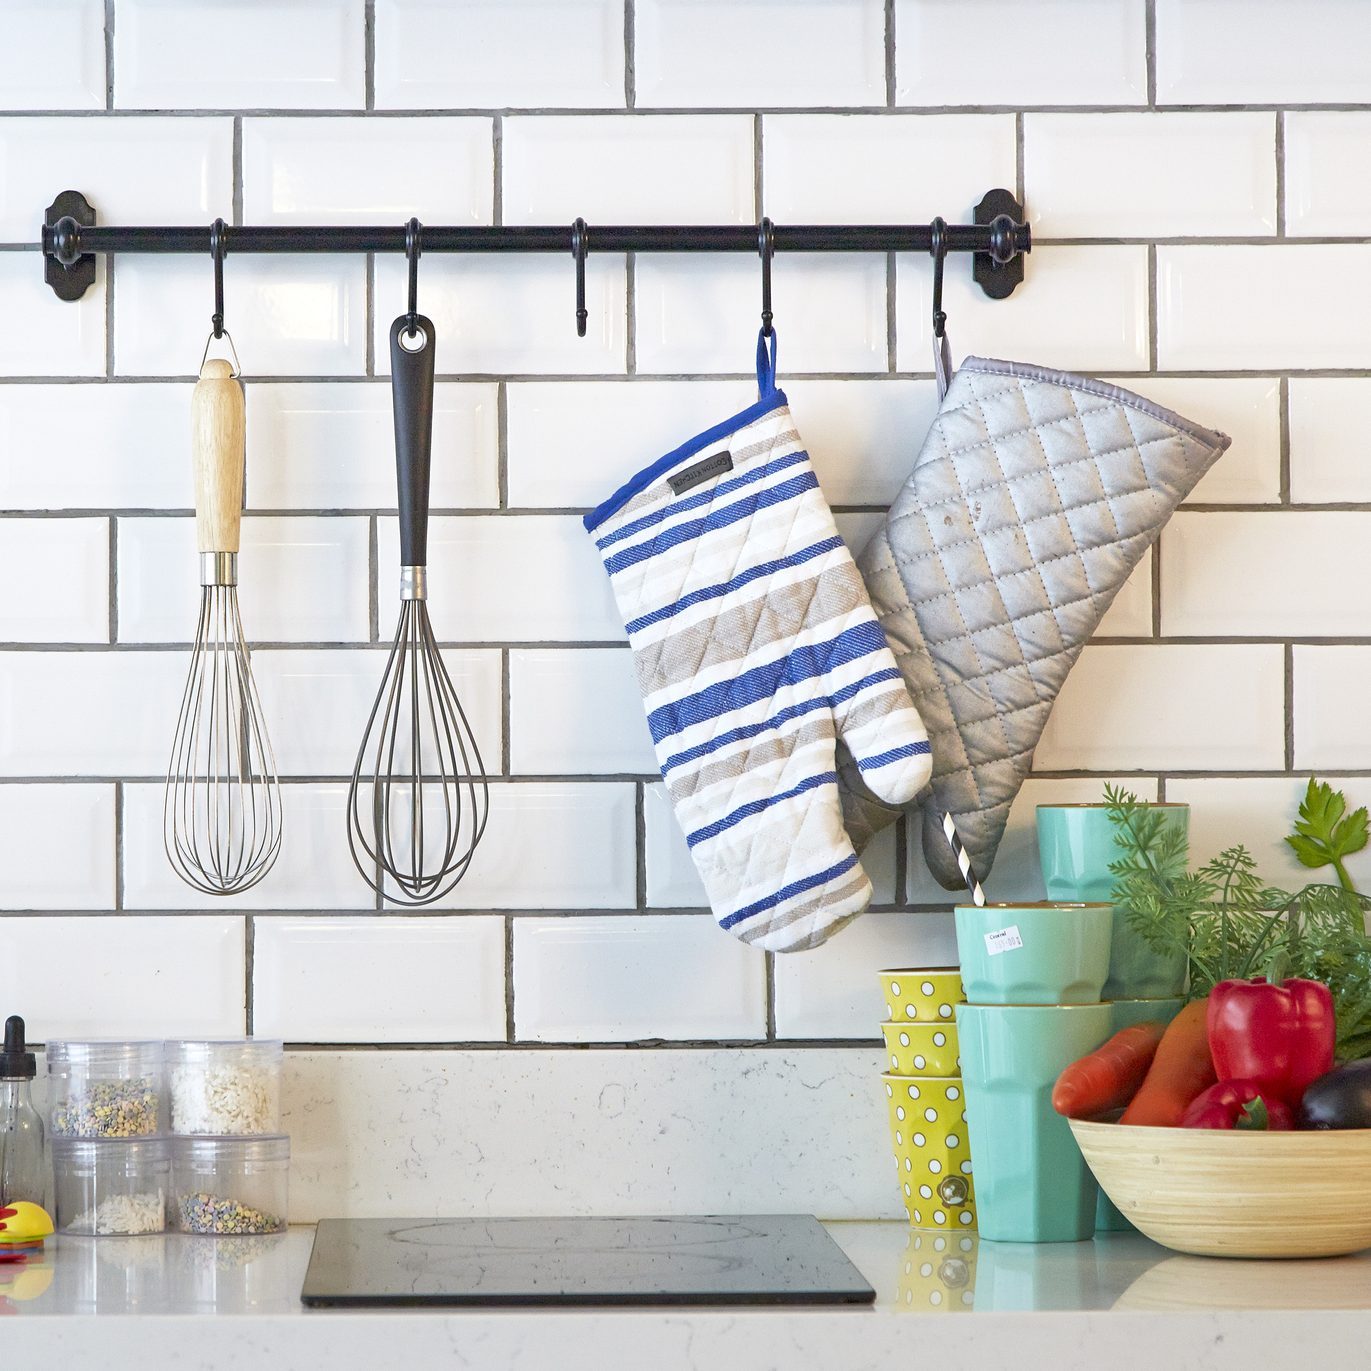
<point>221,815</point>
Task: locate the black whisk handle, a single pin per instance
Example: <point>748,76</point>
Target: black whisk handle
<point>411,367</point>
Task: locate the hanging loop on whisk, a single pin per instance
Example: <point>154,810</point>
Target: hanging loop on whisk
<point>414,248</point>
<point>218,246</point>
<point>766,248</point>
<point>580,244</point>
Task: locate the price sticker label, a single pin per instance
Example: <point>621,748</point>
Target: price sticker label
<point>1003,940</point>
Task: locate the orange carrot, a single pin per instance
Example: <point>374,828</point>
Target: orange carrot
<point>1180,1072</point>
<point>1108,1077</point>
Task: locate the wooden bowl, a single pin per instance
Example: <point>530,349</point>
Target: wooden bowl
<point>1217,1193</point>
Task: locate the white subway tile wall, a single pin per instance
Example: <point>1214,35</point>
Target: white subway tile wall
<point>1213,258</point>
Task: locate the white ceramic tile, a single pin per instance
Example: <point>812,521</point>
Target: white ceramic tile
<point>367,171</point>
<point>288,315</point>
<point>136,977</point>
<point>45,336</point>
<point>168,171</point>
<point>1257,574</point>
<point>317,703</point>
<point>577,711</point>
<point>479,1144</point>
<point>54,580</point>
<point>1130,616</point>
<point>88,713</point>
<point>510,314</point>
<point>827,168</point>
<point>299,580</point>
<point>553,845</point>
<point>239,54</point>
<point>313,871</point>
<point>1151,175</point>
<point>623,979</point>
<point>1248,409</point>
<point>857,530</point>
<point>1310,309</point>
<point>493,578</point>
<point>759,52</point>
<point>998,52</point>
<point>328,445</point>
<point>434,54</point>
<point>1017,871</point>
<point>1320,197</point>
<point>1262,52</point>
<point>123,446</point>
<point>1330,690</point>
<point>53,56</point>
<point>57,846</point>
<point>672,880</point>
<point>701,314</point>
<point>1257,812</point>
<point>1082,309</point>
<point>634,169</point>
<point>388,980</point>
<point>833,991</point>
<point>1327,416</point>
<point>562,453</point>
<point>1172,706</point>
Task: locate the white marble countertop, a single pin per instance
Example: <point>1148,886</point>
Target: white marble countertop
<point>946,1300</point>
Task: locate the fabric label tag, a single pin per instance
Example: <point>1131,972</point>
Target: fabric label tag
<point>1003,940</point>
<point>701,472</point>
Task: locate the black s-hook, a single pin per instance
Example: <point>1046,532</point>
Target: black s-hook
<point>413,250</point>
<point>580,243</point>
<point>937,248</point>
<point>218,246</point>
<point>766,249</point>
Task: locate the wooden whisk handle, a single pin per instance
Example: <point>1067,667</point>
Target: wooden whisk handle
<point>218,436</point>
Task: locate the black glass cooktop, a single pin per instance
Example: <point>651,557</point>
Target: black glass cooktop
<point>718,1259</point>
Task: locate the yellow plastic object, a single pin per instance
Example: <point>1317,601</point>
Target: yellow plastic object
<point>932,1155</point>
<point>27,1282</point>
<point>29,1223</point>
<point>938,1273</point>
<point>922,994</point>
<point>922,1049</point>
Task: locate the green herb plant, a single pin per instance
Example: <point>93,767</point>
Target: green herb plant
<point>1231,923</point>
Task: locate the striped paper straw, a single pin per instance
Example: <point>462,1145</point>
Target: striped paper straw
<point>973,882</point>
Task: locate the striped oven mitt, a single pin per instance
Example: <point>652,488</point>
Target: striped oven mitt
<point>757,652</point>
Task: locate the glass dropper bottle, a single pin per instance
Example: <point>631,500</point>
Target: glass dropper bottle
<point>23,1171</point>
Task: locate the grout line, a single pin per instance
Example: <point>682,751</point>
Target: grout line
<point>1150,50</point>
<point>497,165</point>
<point>1280,174</point>
<point>630,55</point>
<point>113,579</point>
<point>1152,307</point>
<point>1019,158</point>
<point>890,54</point>
<point>373,581</point>
<point>236,212</point>
<point>1289,707</point>
<point>249,969</point>
<point>110,18</point>
<point>509,978</point>
<point>109,318</point>
<point>1156,582</point>
<point>369,50</point>
<point>369,316</point>
<point>118,846</point>
<point>770,991</point>
<point>758,181</point>
<point>631,314</point>
<point>640,841</point>
<point>502,444</point>
<point>892,282</point>
<point>1284,411</point>
<point>506,713</point>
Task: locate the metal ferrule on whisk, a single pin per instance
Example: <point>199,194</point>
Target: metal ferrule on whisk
<point>218,568</point>
<point>414,583</point>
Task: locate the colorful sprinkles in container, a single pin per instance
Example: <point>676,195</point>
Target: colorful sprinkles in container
<point>202,1213</point>
<point>108,1109</point>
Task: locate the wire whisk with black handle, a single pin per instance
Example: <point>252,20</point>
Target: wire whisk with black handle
<point>419,801</point>
<point>221,814</point>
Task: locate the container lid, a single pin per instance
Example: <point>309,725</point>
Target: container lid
<point>196,1049</point>
<point>202,1149</point>
<point>16,1061</point>
<point>111,1151</point>
<point>107,1051</point>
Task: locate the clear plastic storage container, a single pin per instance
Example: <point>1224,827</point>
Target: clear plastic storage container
<point>230,1088</point>
<point>230,1187</point>
<point>105,1089</point>
<point>110,1186</point>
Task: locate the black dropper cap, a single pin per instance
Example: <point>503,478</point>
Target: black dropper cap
<point>15,1062</point>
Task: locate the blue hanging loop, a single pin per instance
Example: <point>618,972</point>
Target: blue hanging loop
<point>766,247</point>
<point>766,363</point>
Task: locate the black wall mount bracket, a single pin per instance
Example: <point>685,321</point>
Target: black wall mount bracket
<point>66,268</point>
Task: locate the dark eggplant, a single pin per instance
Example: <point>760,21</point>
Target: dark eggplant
<point>1341,1099</point>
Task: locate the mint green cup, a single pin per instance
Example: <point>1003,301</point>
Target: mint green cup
<point>1076,845</point>
<point>1125,1014</point>
<point>1032,1184</point>
<point>1029,953</point>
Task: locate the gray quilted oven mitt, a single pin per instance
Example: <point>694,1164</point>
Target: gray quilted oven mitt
<point>1034,496</point>
<point>757,650</point>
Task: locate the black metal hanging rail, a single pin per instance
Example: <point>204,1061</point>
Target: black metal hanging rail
<point>998,238</point>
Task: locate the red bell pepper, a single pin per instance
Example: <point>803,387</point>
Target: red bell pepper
<point>1237,1104</point>
<point>1280,1036</point>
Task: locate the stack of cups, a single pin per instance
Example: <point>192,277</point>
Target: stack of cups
<point>925,1098</point>
<point>1076,844</point>
<point>1033,973</point>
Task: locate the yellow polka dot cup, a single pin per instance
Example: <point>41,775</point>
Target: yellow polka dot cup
<point>938,1273</point>
<point>932,1155</point>
<point>922,995</point>
<point>922,1049</point>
